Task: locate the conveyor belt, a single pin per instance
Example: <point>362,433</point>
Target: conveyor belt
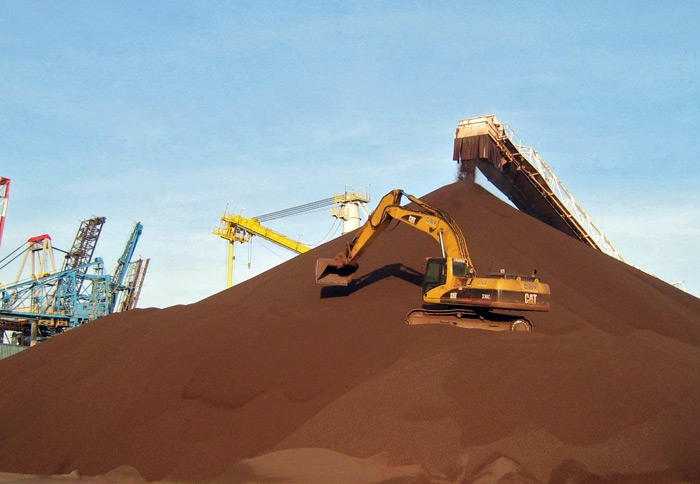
<point>521,174</point>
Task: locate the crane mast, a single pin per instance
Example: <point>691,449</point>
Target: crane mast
<point>133,285</point>
<point>347,208</point>
<point>117,280</point>
<point>84,245</point>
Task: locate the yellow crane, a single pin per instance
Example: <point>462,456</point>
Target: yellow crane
<point>236,228</point>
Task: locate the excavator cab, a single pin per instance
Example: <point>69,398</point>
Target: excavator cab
<point>435,274</point>
<point>437,271</point>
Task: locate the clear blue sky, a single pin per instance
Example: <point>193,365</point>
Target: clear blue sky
<point>168,112</point>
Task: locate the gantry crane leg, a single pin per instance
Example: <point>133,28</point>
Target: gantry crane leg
<point>231,259</point>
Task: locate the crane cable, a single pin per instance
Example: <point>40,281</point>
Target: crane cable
<point>331,232</point>
<point>21,247</point>
<point>326,202</point>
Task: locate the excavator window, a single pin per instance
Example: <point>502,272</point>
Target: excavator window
<point>460,269</point>
<point>435,274</point>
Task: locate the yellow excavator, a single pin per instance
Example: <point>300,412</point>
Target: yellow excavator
<point>452,292</point>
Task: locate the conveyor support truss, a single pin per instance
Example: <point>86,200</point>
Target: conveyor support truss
<point>523,176</point>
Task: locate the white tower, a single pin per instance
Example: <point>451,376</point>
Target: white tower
<point>347,209</point>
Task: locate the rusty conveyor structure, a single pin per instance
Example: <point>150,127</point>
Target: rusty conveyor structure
<point>522,175</point>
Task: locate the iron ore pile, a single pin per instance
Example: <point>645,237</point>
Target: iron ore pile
<point>277,380</point>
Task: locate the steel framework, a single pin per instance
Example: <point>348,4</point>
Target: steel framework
<point>84,244</point>
<point>49,302</point>
<point>117,281</point>
<point>347,208</point>
<point>523,176</point>
<point>132,285</point>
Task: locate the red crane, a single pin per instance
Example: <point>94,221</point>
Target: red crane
<point>4,198</point>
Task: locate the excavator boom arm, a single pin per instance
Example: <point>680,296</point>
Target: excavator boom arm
<point>434,222</point>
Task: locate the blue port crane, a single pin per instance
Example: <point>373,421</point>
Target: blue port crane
<point>116,285</point>
<point>50,302</point>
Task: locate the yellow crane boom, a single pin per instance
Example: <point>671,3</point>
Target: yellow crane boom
<point>236,228</point>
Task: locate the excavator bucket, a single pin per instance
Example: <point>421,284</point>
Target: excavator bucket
<point>330,272</point>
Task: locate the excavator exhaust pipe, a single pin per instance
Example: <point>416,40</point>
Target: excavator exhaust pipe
<point>330,272</point>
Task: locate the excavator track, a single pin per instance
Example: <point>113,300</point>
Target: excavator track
<point>466,318</point>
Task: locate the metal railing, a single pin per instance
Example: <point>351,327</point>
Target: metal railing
<point>564,196</point>
<point>574,214</point>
